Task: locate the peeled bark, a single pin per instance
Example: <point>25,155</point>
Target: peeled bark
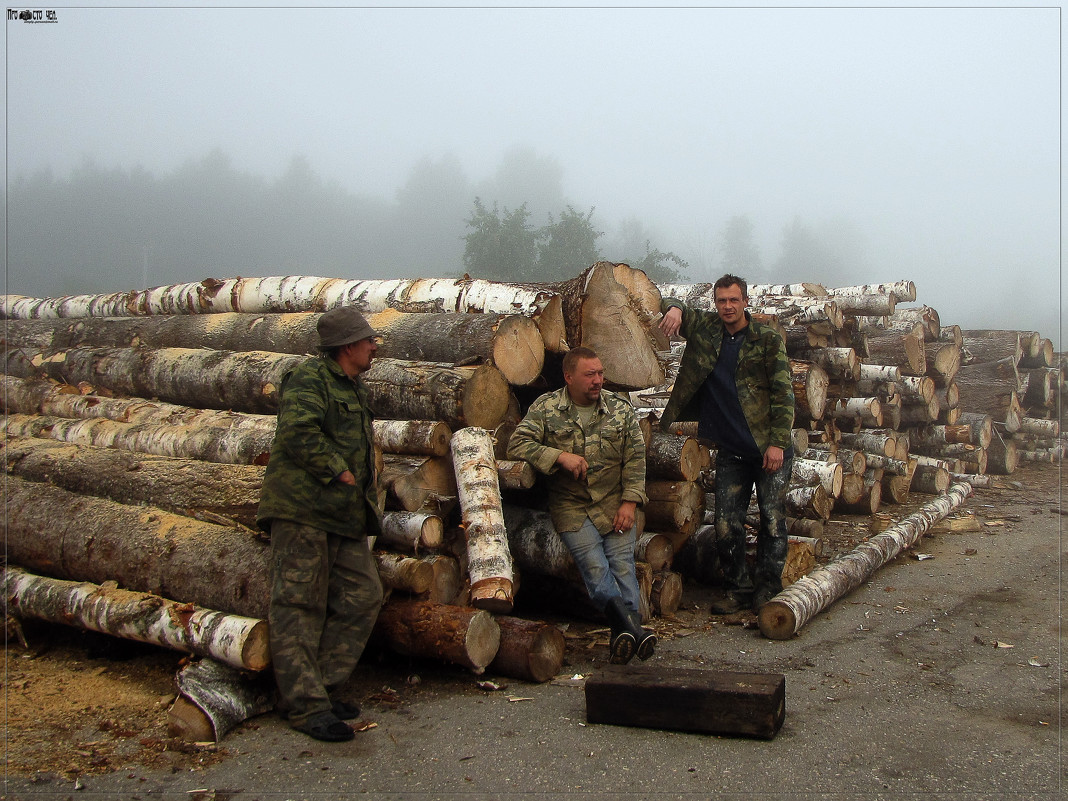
<point>457,634</point>
<point>530,650</point>
<point>204,490</point>
<point>489,562</point>
<point>457,396</point>
<point>75,537</point>
<point>237,641</point>
<point>784,615</point>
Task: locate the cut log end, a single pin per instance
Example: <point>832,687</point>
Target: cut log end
<point>493,595</point>
<point>777,621</point>
<point>256,652</point>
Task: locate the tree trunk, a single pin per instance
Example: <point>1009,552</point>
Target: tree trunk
<point>75,537</point>
<point>413,481</point>
<point>904,351</point>
<point>859,411</point>
<point>205,379</point>
<point>404,573</point>
<point>457,396</point>
<point>943,362</point>
<point>446,581</point>
<point>808,472</point>
<point>871,442</point>
<point>991,346</point>
<point>784,615</point>
<point>601,315</point>
<point>530,650</point>
<point>457,634</point>
<point>809,502</point>
<point>411,532</point>
<point>930,480</point>
<point>189,487</point>
<point>1002,456</point>
<point>981,425</point>
<point>655,550</point>
<point>214,699</point>
<point>202,442</point>
<point>665,595</point>
<point>861,495</point>
<point>810,389</point>
<point>674,457</point>
<point>1041,428</point>
<point>413,437</point>
<point>674,506</point>
<point>536,546</point>
<point>901,291</point>
<point>991,388</point>
<point>237,641</point>
<point>489,562</point>
<point>838,363</point>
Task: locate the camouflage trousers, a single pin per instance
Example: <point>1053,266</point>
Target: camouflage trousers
<point>325,598</point>
<point>735,479</point>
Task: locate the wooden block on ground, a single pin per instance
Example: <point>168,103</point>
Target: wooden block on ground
<point>684,699</point>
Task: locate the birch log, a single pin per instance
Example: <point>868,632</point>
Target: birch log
<point>808,472</point>
<point>412,482</point>
<point>404,573</point>
<point>785,614</point>
<point>237,641</point>
<point>530,650</point>
<point>189,487</point>
<point>458,396</point>
<point>810,389</point>
<point>536,545</point>
<point>215,698</point>
<point>904,351</point>
<point>457,634</point>
<point>674,457</point>
<point>489,562</point>
<point>79,538</point>
<point>208,379</point>
<point>413,437</point>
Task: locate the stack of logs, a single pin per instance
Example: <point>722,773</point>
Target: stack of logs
<point>138,424</point>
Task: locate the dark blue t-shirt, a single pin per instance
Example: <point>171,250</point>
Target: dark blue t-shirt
<point>722,419</point>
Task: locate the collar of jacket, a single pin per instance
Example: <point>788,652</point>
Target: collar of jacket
<point>721,330</point>
<point>564,401</point>
<point>335,368</point>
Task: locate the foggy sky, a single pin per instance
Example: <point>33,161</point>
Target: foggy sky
<point>932,132</point>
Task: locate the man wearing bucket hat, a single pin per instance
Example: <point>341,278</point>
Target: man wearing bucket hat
<point>319,503</point>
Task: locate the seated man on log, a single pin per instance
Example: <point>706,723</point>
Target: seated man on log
<point>319,504</point>
<point>589,444</point>
<point>735,380</point>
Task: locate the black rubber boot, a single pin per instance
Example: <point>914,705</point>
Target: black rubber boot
<point>645,639</point>
<point>623,643</point>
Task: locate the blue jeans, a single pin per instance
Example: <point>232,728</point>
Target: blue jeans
<point>735,478</point>
<point>606,563</point>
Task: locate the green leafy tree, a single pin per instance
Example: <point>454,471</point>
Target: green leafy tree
<point>663,267</point>
<point>501,246</point>
<point>567,246</point>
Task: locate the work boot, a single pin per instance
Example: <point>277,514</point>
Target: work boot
<point>621,646</point>
<point>727,603</point>
<point>645,638</point>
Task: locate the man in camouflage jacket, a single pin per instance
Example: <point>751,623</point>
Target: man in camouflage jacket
<point>735,380</point>
<point>588,442</point>
<point>319,504</point>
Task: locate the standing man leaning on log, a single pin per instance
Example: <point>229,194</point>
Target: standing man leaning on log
<point>589,444</point>
<point>735,380</point>
<point>319,504</point>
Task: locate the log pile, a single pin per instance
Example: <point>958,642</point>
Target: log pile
<point>138,423</point>
<point>138,426</point>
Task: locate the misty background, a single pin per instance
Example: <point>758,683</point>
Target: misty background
<point>835,145</point>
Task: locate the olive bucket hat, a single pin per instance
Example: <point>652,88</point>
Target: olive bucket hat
<point>342,326</point>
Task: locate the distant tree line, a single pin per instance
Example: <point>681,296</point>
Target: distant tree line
<point>109,229</point>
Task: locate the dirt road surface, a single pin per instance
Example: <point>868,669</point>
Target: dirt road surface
<point>941,677</point>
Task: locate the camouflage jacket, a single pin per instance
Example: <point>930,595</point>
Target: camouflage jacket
<point>765,388</point>
<point>611,443</point>
<point>324,428</point>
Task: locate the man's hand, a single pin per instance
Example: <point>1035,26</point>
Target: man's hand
<point>671,322</point>
<point>347,478</point>
<point>772,458</point>
<point>574,464</point>
<point>624,518</point>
